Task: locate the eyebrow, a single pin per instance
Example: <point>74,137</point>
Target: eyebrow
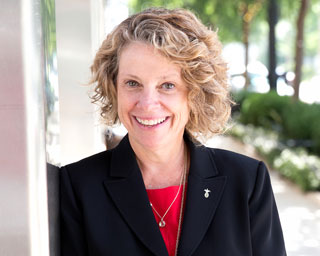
<point>133,76</point>
<point>167,76</point>
<point>170,76</point>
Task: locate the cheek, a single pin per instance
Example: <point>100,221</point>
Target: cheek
<point>121,105</point>
<point>182,110</point>
<point>186,112</point>
<point>186,116</point>
<point>184,105</point>
<point>121,98</point>
<point>125,102</point>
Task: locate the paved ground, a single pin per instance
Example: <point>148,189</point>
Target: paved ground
<point>299,212</point>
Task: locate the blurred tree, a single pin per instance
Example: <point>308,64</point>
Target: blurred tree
<point>248,10</point>
<point>272,20</point>
<point>304,38</point>
<point>234,16</point>
<point>299,47</point>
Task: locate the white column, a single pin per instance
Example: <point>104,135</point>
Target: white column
<point>23,189</point>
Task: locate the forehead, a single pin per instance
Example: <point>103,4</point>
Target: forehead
<point>140,57</point>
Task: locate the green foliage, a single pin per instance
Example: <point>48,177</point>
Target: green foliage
<point>300,167</point>
<point>288,9</point>
<point>222,15</point>
<point>50,49</point>
<point>225,16</point>
<point>315,134</point>
<point>296,164</point>
<point>139,5</point>
<point>299,119</point>
<point>293,120</point>
<point>264,110</point>
<point>240,96</point>
<point>49,26</point>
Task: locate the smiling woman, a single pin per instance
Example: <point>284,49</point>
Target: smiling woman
<point>182,40</point>
<point>160,192</point>
<point>154,106</point>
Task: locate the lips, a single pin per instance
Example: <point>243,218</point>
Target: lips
<point>150,122</point>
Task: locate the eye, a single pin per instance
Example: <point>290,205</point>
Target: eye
<point>168,86</point>
<point>132,83</point>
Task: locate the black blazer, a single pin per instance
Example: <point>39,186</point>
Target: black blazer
<point>105,208</point>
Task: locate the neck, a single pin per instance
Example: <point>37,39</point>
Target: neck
<point>161,167</point>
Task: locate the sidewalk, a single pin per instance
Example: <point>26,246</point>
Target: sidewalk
<point>299,212</point>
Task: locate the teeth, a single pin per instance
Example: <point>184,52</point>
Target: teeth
<point>150,122</point>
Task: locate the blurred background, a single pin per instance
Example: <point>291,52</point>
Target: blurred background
<point>47,46</point>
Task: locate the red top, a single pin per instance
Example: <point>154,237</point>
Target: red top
<point>161,200</point>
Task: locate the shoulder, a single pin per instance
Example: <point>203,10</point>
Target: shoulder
<point>96,165</point>
<point>224,162</point>
<point>230,158</point>
<point>238,167</point>
<point>246,177</point>
<point>93,160</point>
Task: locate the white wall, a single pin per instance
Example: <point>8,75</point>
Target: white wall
<point>77,38</point>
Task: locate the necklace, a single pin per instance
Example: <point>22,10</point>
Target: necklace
<point>182,205</point>
<point>162,223</point>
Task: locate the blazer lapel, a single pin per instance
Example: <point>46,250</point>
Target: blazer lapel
<point>127,190</point>
<point>203,195</point>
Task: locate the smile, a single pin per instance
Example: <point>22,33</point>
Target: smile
<point>150,122</point>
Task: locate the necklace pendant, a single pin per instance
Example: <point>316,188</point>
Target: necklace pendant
<point>162,223</point>
<point>206,194</point>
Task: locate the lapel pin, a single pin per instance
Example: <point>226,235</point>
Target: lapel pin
<point>206,194</point>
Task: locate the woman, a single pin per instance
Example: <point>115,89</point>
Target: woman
<point>160,192</point>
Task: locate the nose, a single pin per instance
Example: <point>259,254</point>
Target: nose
<point>149,99</point>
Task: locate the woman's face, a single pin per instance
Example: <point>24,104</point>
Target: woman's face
<point>152,97</point>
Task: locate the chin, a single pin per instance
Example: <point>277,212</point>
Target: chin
<point>150,142</point>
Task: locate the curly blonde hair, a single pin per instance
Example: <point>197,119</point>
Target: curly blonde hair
<point>184,40</point>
